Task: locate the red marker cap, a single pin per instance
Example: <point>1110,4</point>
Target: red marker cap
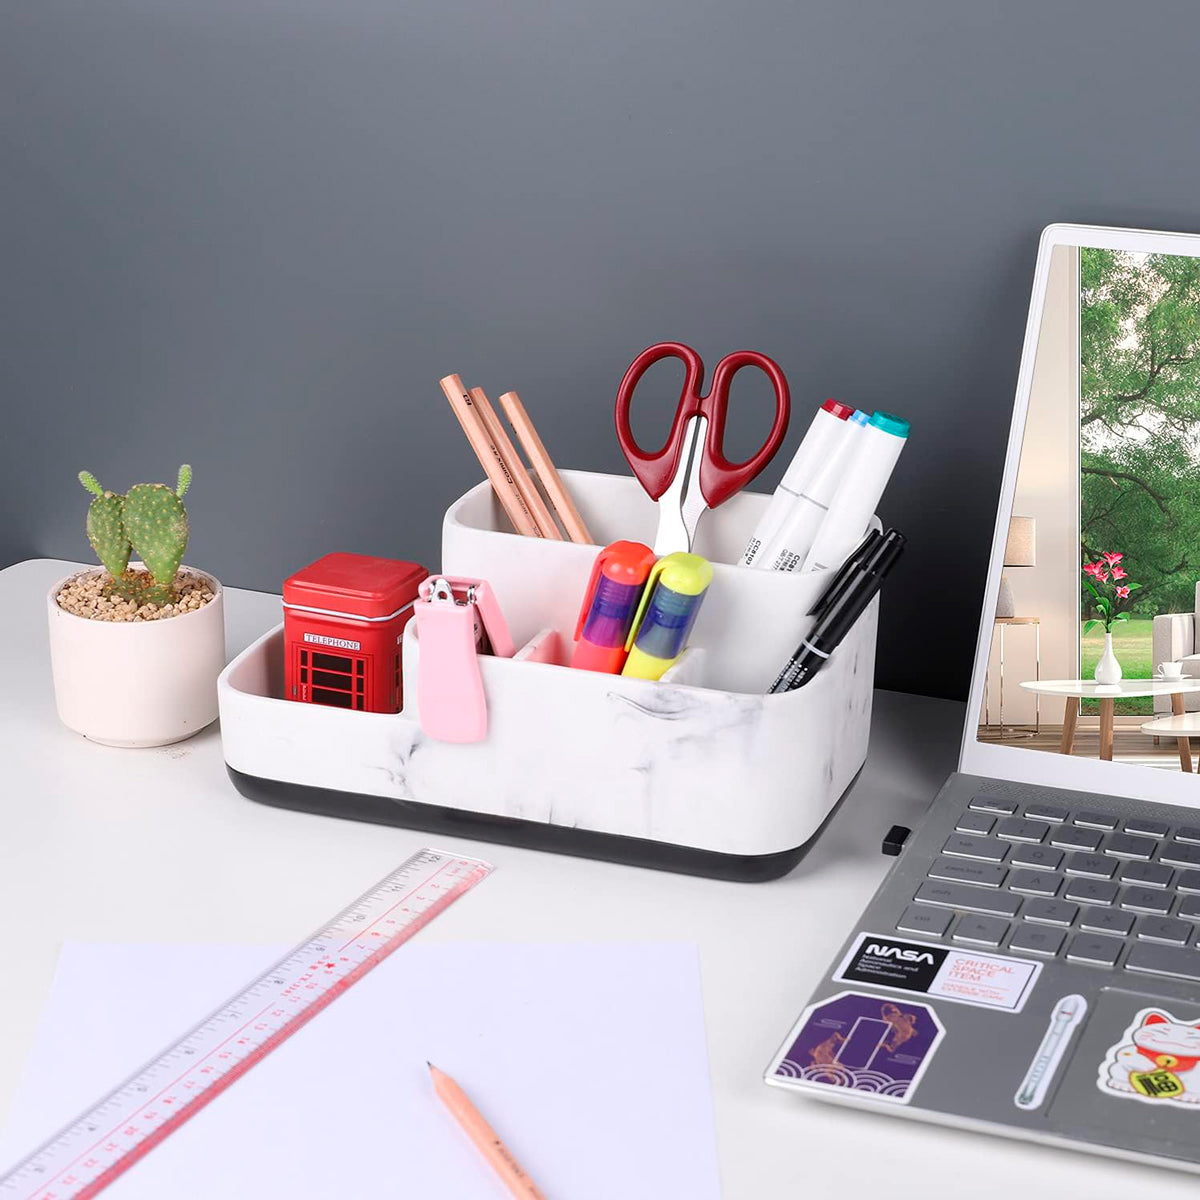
<point>842,411</point>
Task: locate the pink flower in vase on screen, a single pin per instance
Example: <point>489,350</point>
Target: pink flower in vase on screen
<point>1112,557</point>
<point>1095,570</point>
<point>1119,573</point>
<point>1123,592</point>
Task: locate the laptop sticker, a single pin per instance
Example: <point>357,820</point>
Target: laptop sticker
<point>1067,1016</point>
<point>866,1044</point>
<point>964,976</point>
<point>1157,1061</point>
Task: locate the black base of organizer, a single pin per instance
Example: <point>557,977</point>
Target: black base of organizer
<point>531,835</point>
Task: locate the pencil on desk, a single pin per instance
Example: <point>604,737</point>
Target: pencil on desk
<point>542,516</point>
<point>498,1155</point>
<point>489,457</point>
<point>560,498</point>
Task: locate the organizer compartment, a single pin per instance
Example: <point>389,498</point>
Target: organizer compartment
<point>750,623</point>
<point>714,781</point>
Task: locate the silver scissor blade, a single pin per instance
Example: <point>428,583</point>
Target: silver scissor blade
<point>681,505</point>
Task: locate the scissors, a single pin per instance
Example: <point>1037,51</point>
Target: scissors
<point>690,473</point>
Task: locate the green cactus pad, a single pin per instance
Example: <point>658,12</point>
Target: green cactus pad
<point>156,523</point>
<point>106,532</point>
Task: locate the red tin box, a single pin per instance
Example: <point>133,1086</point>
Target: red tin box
<point>343,620</point>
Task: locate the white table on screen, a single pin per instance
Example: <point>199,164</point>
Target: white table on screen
<point>95,842</point>
<point>1108,694</point>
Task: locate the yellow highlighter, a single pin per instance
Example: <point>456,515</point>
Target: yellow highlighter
<point>666,614</point>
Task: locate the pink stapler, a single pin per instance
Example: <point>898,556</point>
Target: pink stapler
<point>457,620</point>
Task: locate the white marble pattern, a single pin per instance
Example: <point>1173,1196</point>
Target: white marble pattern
<point>733,771</point>
<point>723,771</point>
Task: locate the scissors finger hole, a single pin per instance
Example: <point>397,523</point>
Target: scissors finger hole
<point>654,402</point>
<point>750,416</point>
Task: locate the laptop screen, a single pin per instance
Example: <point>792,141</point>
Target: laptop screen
<point>1088,672</point>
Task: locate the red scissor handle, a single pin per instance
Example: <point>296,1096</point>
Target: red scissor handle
<point>655,471</point>
<point>719,478</point>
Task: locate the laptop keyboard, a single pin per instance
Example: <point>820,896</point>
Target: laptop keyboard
<point>1048,881</point>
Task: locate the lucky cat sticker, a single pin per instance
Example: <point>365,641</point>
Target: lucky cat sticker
<point>1157,1061</point>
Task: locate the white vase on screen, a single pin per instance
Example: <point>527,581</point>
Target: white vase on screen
<point>1108,669</point>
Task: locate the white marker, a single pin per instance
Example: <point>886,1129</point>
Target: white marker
<point>828,428</point>
<point>858,492</point>
<point>789,547</point>
<point>1068,1012</point>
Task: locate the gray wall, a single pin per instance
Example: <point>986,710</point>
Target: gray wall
<point>253,234</point>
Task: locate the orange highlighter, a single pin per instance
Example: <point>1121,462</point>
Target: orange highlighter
<point>613,591</point>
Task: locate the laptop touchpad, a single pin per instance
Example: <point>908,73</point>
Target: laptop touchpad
<point>1136,1070</point>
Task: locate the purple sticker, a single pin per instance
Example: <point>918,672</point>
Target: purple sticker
<point>862,1043</point>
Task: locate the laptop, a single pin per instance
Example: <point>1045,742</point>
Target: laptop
<point>1030,967</point>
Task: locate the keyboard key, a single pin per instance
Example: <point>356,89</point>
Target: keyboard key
<point>1095,949</point>
<point>964,846</point>
<point>1188,881</point>
<point>1147,828</point>
<point>1106,920</point>
<point>1174,961</point>
<point>1091,891</point>
<point>982,874</point>
<point>1046,812</point>
<point>1146,900</point>
<point>1071,837</point>
<point>1050,912</point>
<point>1017,829</point>
<point>969,899</point>
<point>979,824</point>
<point>1035,883</point>
<point>1042,857</point>
<point>992,804</point>
<point>1095,866</point>
<point>1034,939</point>
<point>1190,908</point>
<point>980,931</point>
<point>1096,820</point>
<point>1164,929</point>
<point>1125,845</point>
<point>1148,873</point>
<point>1180,854</point>
<point>927,921</point>
<point>1187,833</point>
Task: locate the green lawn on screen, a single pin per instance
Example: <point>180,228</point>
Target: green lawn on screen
<point>1132,646</point>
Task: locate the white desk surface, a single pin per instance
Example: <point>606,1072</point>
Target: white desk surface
<point>100,844</point>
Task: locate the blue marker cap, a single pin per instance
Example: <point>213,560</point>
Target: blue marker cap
<point>889,423</point>
<point>859,417</point>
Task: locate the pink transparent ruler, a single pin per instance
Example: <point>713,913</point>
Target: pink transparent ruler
<point>99,1145</point>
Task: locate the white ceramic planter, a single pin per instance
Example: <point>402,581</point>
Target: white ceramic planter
<point>137,683</point>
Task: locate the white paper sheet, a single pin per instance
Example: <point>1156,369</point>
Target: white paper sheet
<point>588,1058</point>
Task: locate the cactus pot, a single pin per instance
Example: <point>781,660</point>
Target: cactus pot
<point>137,683</point>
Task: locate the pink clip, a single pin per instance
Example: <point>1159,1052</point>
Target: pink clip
<point>457,619</point>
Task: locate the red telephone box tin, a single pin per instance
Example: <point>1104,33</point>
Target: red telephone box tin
<point>343,620</point>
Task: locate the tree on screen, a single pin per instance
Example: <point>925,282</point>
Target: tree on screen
<point>1140,419</point>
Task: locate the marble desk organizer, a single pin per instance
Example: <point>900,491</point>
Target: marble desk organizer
<point>700,772</point>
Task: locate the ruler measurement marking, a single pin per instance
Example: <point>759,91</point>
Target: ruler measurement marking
<point>197,1065</point>
<point>126,1142</point>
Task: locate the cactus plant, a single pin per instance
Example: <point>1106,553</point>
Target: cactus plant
<point>151,520</point>
<point>104,528</point>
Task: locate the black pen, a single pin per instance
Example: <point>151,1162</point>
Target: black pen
<point>845,574</point>
<point>838,618</point>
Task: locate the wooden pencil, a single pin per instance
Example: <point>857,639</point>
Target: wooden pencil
<point>499,1156</point>
<point>542,516</point>
<point>539,457</point>
<point>490,458</point>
